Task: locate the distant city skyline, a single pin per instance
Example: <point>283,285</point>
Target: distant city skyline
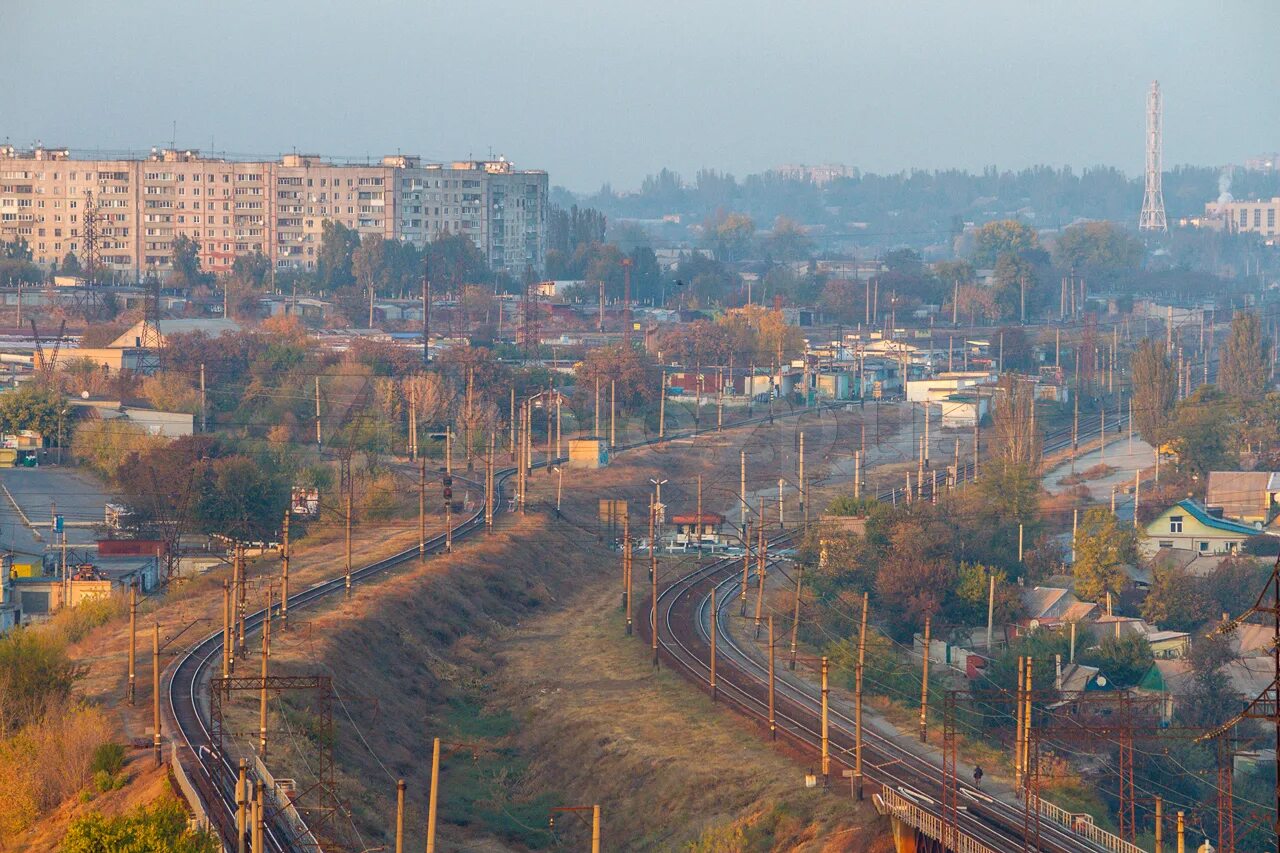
<point>598,94</point>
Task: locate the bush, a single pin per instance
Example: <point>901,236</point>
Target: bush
<point>104,781</point>
<point>162,827</point>
<point>47,762</point>
<point>1262,545</point>
<point>108,758</point>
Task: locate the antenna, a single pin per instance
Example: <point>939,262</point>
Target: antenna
<point>1152,217</point>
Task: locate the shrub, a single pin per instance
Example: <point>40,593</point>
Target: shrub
<point>108,758</point>
<point>163,826</point>
<point>1262,545</point>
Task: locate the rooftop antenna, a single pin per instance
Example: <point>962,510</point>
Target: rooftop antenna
<point>1152,217</point>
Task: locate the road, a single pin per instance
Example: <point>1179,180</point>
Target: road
<point>79,500</point>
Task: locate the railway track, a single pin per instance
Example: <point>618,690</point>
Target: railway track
<point>213,775</point>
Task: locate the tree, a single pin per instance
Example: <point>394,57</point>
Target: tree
<point>186,262</point>
<point>251,270</point>
<point>32,407</point>
<point>973,591</point>
<point>730,235</point>
<point>1155,388</point>
<point>455,260</point>
<point>338,244</point>
<point>70,264</point>
<point>1200,433</point>
<point>241,499</point>
<point>1097,247</point>
<point>1016,352</point>
<point>1017,436</point>
<point>16,250</point>
<point>1244,358</point>
<point>1176,600</point>
<point>1004,237</point>
<point>1014,286</point>
<point>1103,547</point>
<point>1123,660</point>
<point>788,241</point>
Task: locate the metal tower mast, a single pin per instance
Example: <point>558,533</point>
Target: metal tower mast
<point>1152,217</point>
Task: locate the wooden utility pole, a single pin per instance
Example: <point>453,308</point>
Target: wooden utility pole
<point>433,797</point>
<point>1017,743</point>
<point>662,404</point>
<point>284,574</point>
<point>924,685</point>
<point>857,697</point>
<point>155,693</point>
<point>1026,728</point>
<point>746,569</point>
<point>133,638</point>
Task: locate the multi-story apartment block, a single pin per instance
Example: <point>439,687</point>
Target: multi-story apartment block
<point>1244,217</point>
<point>231,208</point>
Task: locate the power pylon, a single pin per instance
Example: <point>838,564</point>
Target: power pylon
<point>1152,217</point>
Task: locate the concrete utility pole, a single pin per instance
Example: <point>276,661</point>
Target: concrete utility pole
<point>653,577</point>
<point>488,486</point>
<point>857,475</point>
<point>319,445</point>
<point>133,638</point>
<point>1026,728</point>
<point>284,574</point>
<point>597,430</point>
<point>448,489</point>
<point>773,720</point>
<point>348,528</point>
<point>713,644</point>
<point>991,607</point>
<point>227,645</point>
<point>801,475</point>
<point>204,423</point>
<point>242,801</point>
<point>613,413</point>
<point>400,816</point>
<point>422,509</point>
<point>155,692</point>
<point>746,569</point>
<point>1017,741</point>
<point>662,404</point>
<point>826,740</point>
<point>628,561</point>
<point>795,616</point>
<point>742,495</point>
<point>1137,487</point>
<point>924,685</point>
<point>760,578</point>
<point>262,698</point>
<point>857,695</point>
<point>433,797</point>
<point>720,404</point>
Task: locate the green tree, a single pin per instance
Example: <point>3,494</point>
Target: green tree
<point>34,407</point>
<point>36,675</point>
<point>1122,660</point>
<point>70,264</point>
<point>338,244</point>
<point>1004,237</point>
<point>1155,387</point>
<point>241,499</point>
<point>160,828</point>
<point>1103,547</point>
<point>1244,358</point>
<point>186,262</point>
<point>1014,282</point>
<point>252,270</point>
<point>16,250</point>
<point>1201,433</point>
<point>1176,600</point>
<point>1093,247</point>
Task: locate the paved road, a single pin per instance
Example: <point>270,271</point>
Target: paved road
<point>78,497</point>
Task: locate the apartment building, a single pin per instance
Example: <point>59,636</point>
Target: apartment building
<point>231,208</point>
<point>1244,217</point>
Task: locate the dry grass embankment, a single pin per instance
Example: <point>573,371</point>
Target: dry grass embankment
<point>514,643</point>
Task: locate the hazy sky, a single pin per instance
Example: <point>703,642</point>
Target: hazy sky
<point>613,91</point>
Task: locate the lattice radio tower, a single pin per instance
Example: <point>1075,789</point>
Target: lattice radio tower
<point>92,253</point>
<point>1152,217</point>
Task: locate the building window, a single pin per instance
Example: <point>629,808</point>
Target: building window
<point>1204,547</point>
<point>1175,524</point>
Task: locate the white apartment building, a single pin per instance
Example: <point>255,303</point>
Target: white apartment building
<point>231,208</point>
